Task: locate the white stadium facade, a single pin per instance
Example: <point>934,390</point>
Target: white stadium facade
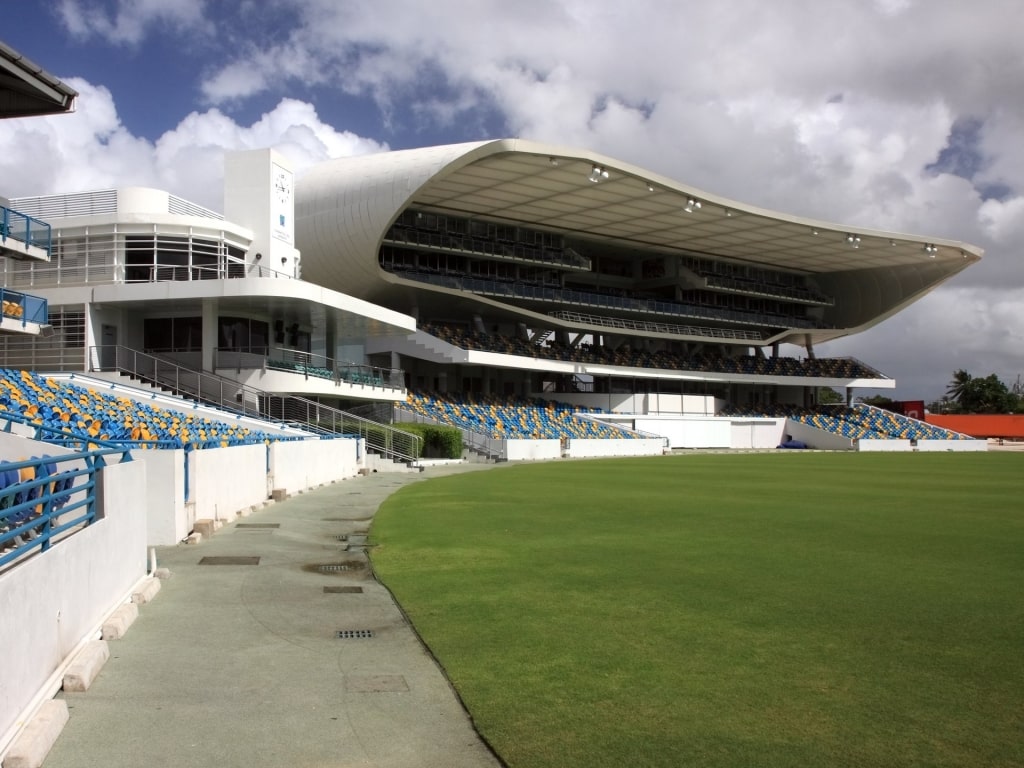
<point>492,273</point>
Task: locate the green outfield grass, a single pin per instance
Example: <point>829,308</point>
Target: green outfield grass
<point>781,609</point>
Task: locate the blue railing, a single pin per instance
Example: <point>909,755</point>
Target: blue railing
<point>24,307</point>
<point>25,229</point>
<point>44,497</point>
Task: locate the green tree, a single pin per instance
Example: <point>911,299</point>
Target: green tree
<point>987,395</point>
<point>828,396</point>
<point>955,390</point>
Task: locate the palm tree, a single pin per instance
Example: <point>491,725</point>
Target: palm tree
<point>958,386</point>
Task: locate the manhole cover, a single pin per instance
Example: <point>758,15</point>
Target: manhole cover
<point>353,634</point>
<point>230,560</point>
<point>375,683</point>
<point>258,525</point>
<point>343,590</point>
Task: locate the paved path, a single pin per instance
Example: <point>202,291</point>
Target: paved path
<point>240,665</point>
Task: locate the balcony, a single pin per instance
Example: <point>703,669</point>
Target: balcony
<point>23,237</point>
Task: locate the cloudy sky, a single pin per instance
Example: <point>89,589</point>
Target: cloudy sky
<point>905,115</point>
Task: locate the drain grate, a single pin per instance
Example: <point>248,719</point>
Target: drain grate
<point>258,525</point>
<point>230,560</point>
<point>353,634</point>
<point>342,537</point>
<point>334,567</point>
<point>343,590</point>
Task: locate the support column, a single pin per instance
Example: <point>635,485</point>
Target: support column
<point>210,329</point>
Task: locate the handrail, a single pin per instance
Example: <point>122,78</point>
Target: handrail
<point>235,397</point>
<point>42,500</point>
<point>25,229</point>
<point>382,438</point>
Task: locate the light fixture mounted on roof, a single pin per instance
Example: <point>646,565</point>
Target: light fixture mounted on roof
<point>853,240</point>
<point>650,187</point>
<point>814,231</point>
<point>553,160</point>
<point>692,205</point>
<point>931,250</point>
<point>598,174</point>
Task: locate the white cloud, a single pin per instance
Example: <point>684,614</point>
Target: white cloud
<point>91,149</point>
<point>129,21</point>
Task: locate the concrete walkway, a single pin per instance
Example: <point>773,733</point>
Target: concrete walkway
<point>242,665</point>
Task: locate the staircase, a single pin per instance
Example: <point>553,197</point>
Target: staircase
<point>239,398</point>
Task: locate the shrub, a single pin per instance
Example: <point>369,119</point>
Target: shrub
<point>438,442</point>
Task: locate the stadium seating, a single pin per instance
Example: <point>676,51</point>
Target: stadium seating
<point>834,368</point>
<point>67,407</point>
<point>512,418</point>
<point>861,422</point>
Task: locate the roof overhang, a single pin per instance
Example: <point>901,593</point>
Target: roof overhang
<point>27,90</point>
<point>556,188</point>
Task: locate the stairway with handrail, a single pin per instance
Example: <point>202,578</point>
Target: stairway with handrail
<point>222,392</point>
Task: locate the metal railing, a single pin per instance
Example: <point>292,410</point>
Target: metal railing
<point>232,396</point>
<point>44,499</point>
<point>380,438</point>
<point>653,327</point>
<point>25,229</point>
<point>24,307</point>
<point>557,294</point>
<point>321,366</point>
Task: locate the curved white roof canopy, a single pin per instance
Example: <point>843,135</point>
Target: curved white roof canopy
<point>344,207</point>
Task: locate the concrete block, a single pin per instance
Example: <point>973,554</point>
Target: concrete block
<point>193,538</point>
<point>204,526</point>
<point>218,524</point>
<point>364,471</point>
<point>245,511</point>
<point>146,592</point>
<point>163,573</point>
<point>279,494</point>
<point>117,623</point>
<point>31,747</point>
<point>86,666</point>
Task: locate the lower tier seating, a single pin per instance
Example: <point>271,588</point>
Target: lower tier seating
<point>512,417</point>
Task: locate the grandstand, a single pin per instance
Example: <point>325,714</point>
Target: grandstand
<point>540,272</point>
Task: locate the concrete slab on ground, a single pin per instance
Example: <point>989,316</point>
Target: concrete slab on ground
<point>243,665</point>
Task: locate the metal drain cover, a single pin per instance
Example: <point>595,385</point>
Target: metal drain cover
<point>353,634</point>
<point>331,568</point>
<point>258,525</point>
<point>230,560</point>
<point>343,590</point>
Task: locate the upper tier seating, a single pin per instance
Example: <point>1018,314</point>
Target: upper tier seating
<point>512,417</point>
<point>835,368</point>
<point>70,408</point>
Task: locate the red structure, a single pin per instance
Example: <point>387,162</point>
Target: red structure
<point>981,425</point>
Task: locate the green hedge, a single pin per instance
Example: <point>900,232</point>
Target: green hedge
<point>438,442</point>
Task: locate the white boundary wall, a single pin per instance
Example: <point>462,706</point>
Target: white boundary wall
<point>298,465</point>
<point>579,449</point>
<point>922,445</point>
<point>294,466</point>
<point>58,598</point>
<point>532,450</point>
